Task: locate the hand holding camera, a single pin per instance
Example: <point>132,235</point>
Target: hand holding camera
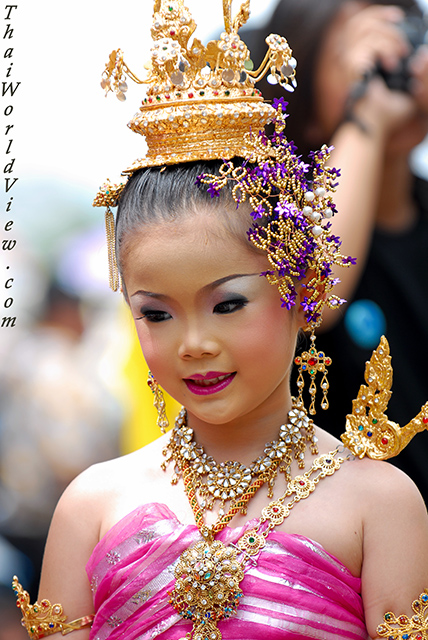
<point>386,56</point>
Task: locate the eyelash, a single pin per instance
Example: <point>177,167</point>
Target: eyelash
<point>222,308</point>
<point>230,306</point>
<point>154,316</point>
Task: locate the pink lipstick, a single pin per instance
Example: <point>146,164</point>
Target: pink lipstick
<point>211,382</point>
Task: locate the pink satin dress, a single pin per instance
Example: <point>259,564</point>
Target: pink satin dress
<point>296,590</point>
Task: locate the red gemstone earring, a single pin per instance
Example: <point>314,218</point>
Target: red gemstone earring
<point>312,361</point>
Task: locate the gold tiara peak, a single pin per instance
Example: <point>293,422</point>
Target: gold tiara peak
<point>201,100</point>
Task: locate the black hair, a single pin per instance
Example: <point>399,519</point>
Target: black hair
<point>304,23</point>
<point>163,194</point>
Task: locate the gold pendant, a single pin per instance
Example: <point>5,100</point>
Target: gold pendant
<point>207,587</point>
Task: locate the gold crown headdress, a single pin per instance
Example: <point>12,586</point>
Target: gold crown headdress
<point>200,100</point>
<point>202,104</point>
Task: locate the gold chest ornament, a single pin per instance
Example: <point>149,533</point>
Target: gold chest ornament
<point>209,573</point>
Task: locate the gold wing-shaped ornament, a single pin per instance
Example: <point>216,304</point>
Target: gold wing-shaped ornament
<point>368,430</point>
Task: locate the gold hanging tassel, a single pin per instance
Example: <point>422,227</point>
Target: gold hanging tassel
<point>113,271</point>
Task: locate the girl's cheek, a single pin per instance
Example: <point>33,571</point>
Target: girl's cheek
<point>145,341</point>
<point>271,319</point>
<point>147,345</point>
<point>156,352</point>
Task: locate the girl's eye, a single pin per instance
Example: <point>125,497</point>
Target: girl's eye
<point>152,315</point>
<point>229,306</point>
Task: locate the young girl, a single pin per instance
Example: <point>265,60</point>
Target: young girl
<point>247,520</point>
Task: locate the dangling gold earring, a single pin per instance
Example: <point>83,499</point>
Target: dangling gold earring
<point>312,361</point>
<point>158,403</point>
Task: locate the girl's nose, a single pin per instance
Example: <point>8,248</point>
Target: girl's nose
<point>196,343</point>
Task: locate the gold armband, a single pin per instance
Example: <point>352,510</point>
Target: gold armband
<point>43,618</point>
<point>405,628</point>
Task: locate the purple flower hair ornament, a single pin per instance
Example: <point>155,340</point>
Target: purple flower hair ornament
<point>258,213</point>
<point>291,206</point>
<point>280,101</point>
<point>214,190</point>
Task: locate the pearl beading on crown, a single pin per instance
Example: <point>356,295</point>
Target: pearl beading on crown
<point>201,100</point>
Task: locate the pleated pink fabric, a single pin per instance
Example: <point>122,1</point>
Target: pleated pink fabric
<point>296,590</point>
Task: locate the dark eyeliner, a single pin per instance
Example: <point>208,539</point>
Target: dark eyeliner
<point>231,305</point>
<point>153,315</point>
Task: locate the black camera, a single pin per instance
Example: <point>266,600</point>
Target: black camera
<point>415,30</point>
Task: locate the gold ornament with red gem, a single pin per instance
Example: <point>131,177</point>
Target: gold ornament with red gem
<point>368,430</point>
<point>312,362</point>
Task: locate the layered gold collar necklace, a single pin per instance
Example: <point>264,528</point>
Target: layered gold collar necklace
<point>208,574</point>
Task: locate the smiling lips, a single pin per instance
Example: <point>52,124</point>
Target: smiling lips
<point>211,382</point>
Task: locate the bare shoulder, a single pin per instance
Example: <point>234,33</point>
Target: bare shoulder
<point>78,525</point>
<point>374,484</point>
<point>395,539</point>
<point>383,496</point>
<point>91,490</point>
<point>381,485</point>
<point>101,481</point>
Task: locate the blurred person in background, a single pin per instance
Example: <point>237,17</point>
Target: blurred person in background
<point>57,417</point>
<point>363,85</point>
<point>10,558</point>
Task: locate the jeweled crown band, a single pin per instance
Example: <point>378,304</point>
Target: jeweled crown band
<point>193,132</point>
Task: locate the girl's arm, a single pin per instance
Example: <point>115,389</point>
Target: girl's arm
<point>73,534</point>
<point>395,547</point>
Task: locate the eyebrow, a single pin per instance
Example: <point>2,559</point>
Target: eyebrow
<point>211,285</point>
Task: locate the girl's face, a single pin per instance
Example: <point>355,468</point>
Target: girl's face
<point>212,330</point>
